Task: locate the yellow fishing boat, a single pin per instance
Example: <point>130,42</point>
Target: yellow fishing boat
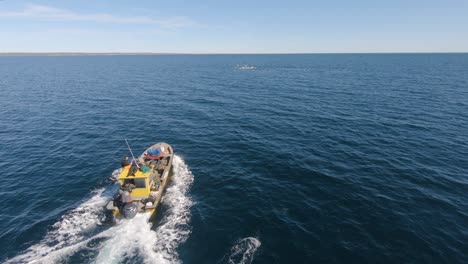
<point>142,182</point>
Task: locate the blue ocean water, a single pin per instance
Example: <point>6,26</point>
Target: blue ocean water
<point>351,158</point>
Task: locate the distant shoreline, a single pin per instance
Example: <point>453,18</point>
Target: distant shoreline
<point>79,53</point>
<point>153,54</point>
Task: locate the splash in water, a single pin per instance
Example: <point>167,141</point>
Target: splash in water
<point>243,251</point>
<point>246,67</point>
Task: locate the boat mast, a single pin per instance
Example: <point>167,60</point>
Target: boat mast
<point>131,152</point>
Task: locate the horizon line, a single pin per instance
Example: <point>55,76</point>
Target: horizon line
<point>209,53</point>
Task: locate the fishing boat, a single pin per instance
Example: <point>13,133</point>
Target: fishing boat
<point>142,182</point>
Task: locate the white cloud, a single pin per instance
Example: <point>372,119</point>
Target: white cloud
<point>41,12</point>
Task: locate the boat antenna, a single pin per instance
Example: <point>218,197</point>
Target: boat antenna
<point>131,152</point>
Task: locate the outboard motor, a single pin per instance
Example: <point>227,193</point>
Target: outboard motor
<point>129,210</point>
<point>117,200</point>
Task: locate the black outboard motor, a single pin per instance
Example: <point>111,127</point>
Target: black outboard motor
<point>117,200</point>
<point>129,210</point>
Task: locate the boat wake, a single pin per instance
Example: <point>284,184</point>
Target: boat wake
<point>243,251</point>
<point>246,67</point>
<point>84,233</point>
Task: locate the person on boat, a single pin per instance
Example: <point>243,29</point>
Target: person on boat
<point>125,162</point>
<point>136,166</point>
<point>126,198</point>
<point>127,187</point>
<point>122,197</point>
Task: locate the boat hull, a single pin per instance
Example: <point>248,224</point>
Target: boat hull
<point>151,177</point>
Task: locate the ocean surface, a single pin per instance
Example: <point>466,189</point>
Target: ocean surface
<point>351,158</point>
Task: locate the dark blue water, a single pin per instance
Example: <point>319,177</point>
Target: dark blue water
<point>280,158</point>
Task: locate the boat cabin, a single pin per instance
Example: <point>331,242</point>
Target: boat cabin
<point>146,178</point>
<point>149,175</point>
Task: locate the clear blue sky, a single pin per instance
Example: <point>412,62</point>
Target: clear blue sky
<point>221,26</point>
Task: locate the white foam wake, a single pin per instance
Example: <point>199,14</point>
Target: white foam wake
<point>129,239</point>
<point>246,67</point>
<point>69,230</point>
<point>244,250</point>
